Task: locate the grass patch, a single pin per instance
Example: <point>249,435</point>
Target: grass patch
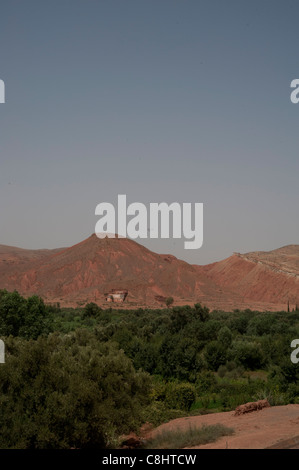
<point>257,374</point>
<point>194,436</point>
<point>207,405</point>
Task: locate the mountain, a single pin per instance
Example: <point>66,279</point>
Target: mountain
<point>268,277</point>
<point>88,270</point>
<point>14,262</point>
<point>95,267</point>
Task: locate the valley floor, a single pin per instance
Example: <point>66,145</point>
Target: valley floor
<point>275,426</point>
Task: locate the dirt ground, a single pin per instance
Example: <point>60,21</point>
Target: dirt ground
<point>270,427</point>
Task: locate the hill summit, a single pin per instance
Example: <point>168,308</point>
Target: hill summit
<point>93,268</point>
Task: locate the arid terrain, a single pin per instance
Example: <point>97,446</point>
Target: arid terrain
<point>276,427</point>
<point>88,270</point>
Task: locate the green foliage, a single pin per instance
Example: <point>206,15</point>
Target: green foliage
<point>247,354</point>
<point>91,310</point>
<point>274,396</point>
<point>180,396</point>
<point>79,387</point>
<point>202,312</point>
<point>261,325</point>
<point>12,313</point>
<point>215,355</point>
<point>225,337</point>
<point>230,370</point>
<point>68,392</point>
<point>27,318</point>
<point>206,382</point>
<point>239,322</point>
<point>158,412</point>
<point>178,357</point>
<point>169,301</point>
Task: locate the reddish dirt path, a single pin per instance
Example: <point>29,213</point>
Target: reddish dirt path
<point>255,430</point>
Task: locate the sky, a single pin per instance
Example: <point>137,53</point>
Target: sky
<point>161,100</point>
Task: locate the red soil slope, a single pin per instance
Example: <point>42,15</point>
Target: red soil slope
<point>86,271</point>
<point>275,426</point>
<point>270,277</point>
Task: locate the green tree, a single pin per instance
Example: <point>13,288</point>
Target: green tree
<point>202,312</point>
<point>169,301</point>
<point>91,310</point>
<point>215,355</point>
<point>68,392</point>
<point>248,354</point>
<point>180,396</point>
<point>27,318</point>
<point>225,336</point>
<point>12,313</point>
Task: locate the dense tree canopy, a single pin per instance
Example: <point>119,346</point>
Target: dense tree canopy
<point>82,377</point>
<point>68,392</point>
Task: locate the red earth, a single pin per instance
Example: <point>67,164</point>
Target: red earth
<point>274,427</point>
<point>86,271</point>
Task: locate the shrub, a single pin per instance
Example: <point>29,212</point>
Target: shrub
<point>27,318</point>
<point>61,393</point>
<point>206,382</point>
<point>188,438</point>
<point>91,310</point>
<point>180,396</point>
<point>225,336</point>
<point>215,355</point>
<point>169,301</point>
<point>247,354</point>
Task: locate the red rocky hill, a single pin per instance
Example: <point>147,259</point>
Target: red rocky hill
<point>270,277</point>
<point>86,271</point>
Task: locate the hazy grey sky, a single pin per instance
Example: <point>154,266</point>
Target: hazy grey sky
<point>162,100</point>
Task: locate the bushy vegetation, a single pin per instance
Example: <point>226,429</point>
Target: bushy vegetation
<point>191,437</point>
<point>27,318</point>
<point>82,377</point>
<point>68,392</point>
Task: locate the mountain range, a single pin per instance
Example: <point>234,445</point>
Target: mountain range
<point>89,270</point>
